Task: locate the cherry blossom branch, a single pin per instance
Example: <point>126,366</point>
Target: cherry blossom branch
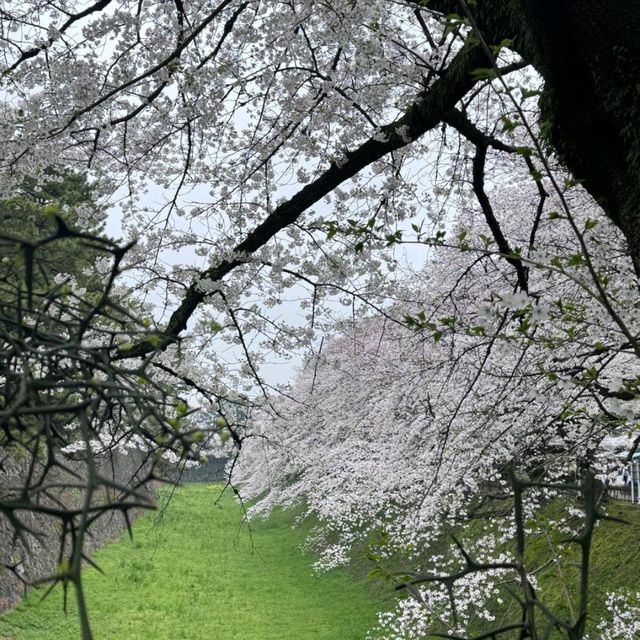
<point>422,116</point>
<point>97,7</point>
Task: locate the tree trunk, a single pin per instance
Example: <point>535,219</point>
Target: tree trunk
<point>588,52</point>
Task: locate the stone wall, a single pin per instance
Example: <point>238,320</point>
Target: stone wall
<point>38,557</point>
<point>211,471</point>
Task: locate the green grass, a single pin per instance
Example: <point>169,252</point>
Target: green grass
<point>201,575</point>
<point>615,561</point>
<point>614,565</point>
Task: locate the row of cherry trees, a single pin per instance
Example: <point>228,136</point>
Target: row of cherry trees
<point>402,419</point>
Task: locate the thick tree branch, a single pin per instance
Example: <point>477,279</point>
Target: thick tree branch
<point>597,144</point>
<point>422,116</point>
<point>459,120</point>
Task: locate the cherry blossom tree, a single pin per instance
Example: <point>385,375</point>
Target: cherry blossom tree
<point>250,99</point>
<point>402,420</point>
<point>303,150</point>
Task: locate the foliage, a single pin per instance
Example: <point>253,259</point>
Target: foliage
<point>304,151</point>
<point>255,580</point>
<point>67,399</point>
<point>554,561</point>
<point>31,211</point>
<point>31,215</point>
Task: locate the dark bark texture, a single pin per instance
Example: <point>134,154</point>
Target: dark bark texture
<point>589,55</point>
<point>588,52</point>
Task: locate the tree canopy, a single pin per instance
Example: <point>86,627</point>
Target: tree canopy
<point>447,190</point>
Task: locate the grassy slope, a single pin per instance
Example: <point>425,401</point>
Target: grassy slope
<point>615,561</point>
<point>199,576</point>
<point>220,584</point>
<point>615,565</point>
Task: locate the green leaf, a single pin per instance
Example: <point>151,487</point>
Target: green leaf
<point>505,43</point>
<point>155,340</point>
<point>484,73</point>
<point>508,124</point>
<point>525,152</point>
<point>393,238</point>
<point>576,260</point>
<point>529,93</point>
<point>590,374</point>
<point>181,407</point>
<point>451,22</point>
